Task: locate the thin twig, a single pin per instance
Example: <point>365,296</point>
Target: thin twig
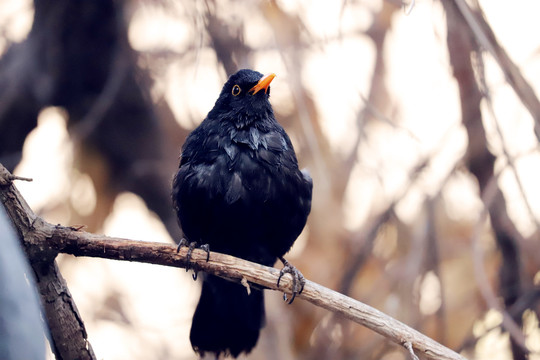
<point>408,7</point>
<point>377,114</point>
<point>486,38</point>
<point>509,157</point>
<point>488,198</point>
<point>409,348</point>
<point>21,178</point>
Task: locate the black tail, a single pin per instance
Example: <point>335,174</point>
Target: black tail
<point>227,320</point>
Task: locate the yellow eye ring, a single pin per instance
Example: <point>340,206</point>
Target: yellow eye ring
<point>236,90</point>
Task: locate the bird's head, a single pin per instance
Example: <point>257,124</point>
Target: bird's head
<point>244,98</point>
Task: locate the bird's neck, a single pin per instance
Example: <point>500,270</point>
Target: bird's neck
<point>249,130</point>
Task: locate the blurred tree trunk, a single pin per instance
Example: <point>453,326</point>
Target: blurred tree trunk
<point>77,56</point>
<point>462,48</point>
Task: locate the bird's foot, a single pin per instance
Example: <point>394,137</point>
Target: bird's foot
<point>183,242</point>
<point>298,279</point>
<point>192,245</point>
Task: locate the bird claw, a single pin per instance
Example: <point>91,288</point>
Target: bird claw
<point>206,248</point>
<point>182,242</point>
<point>192,245</point>
<point>298,279</point>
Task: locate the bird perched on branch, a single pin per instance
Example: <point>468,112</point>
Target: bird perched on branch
<point>239,191</point>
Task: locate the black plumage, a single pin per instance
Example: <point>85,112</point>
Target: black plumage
<point>239,190</point>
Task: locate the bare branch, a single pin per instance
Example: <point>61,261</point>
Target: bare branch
<point>68,334</point>
<point>461,45</point>
<point>489,197</point>
<point>486,38</point>
<point>70,340</point>
<point>408,7</point>
<point>40,237</point>
<point>410,349</point>
<point>509,157</point>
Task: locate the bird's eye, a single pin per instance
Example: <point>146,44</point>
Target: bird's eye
<point>236,90</point>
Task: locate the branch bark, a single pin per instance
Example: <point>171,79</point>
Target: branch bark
<point>68,334</point>
<point>43,241</point>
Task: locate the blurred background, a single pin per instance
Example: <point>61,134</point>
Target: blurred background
<point>423,147</point>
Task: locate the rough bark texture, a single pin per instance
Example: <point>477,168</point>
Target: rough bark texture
<point>68,334</point>
<point>70,340</point>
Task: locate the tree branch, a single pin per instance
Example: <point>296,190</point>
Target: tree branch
<point>68,334</point>
<point>463,43</point>
<point>485,36</point>
<point>41,240</point>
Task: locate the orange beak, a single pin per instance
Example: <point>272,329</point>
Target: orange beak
<point>264,83</point>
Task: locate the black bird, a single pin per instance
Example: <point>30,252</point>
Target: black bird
<point>239,190</point>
